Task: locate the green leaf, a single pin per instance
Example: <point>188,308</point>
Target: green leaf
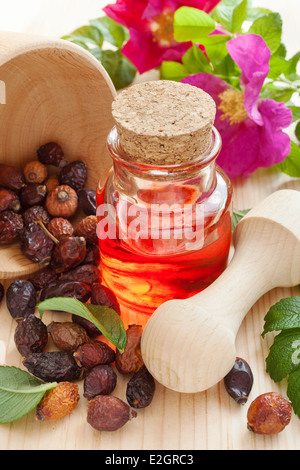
<point>254,13</point>
<point>284,315</point>
<point>112,32</point>
<point>175,71</point>
<point>195,61</point>
<point>231,14</point>
<point>121,71</point>
<point>191,24</point>
<point>86,35</point>
<point>297,131</point>
<point>291,165</point>
<point>293,390</point>
<point>295,111</point>
<point>292,66</point>
<point>106,320</point>
<point>283,356</point>
<point>270,28</point>
<point>237,216</point>
<point>277,93</point>
<point>20,393</point>
<point>278,66</point>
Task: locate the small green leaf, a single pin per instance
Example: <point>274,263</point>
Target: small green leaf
<point>254,13</point>
<point>278,66</point>
<point>284,353</point>
<point>121,71</point>
<point>112,32</point>
<point>175,71</point>
<point>190,24</point>
<point>293,390</point>
<point>269,27</point>
<point>284,315</point>
<point>237,216</point>
<point>231,14</point>
<point>20,393</point>
<point>277,93</point>
<point>297,131</point>
<point>291,165</point>
<point>195,61</point>
<point>106,320</point>
<point>86,35</point>
<point>295,111</point>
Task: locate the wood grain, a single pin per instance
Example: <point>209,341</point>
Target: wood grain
<point>209,420</point>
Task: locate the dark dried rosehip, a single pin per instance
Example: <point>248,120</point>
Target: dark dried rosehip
<point>11,177</point>
<point>21,299</point>
<point>108,413</point>
<point>62,202</point>
<point>101,380</point>
<point>140,389</point>
<point>35,214</point>
<point>74,174</point>
<point>87,228</point>
<point>269,413</point>
<point>11,226</point>
<point>9,200</point>
<point>87,201</point>
<point>69,253</point>
<point>90,328</point>
<point>87,273</point>
<point>65,288</point>
<point>2,292</point>
<point>43,279</point>
<point>35,172</point>
<point>36,244</point>
<point>239,381</point>
<point>52,154</point>
<point>60,228</point>
<point>33,194</point>
<point>53,366</point>
<point>31,335</point>
<point>102,295</point>
<point>131,360</point>
<point>94,353</point>
<point>67,336</point>
<point>92,254</point>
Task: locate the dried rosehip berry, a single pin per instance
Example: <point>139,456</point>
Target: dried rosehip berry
<point>52,154</point>
<point>58,402</point>
<point>269,413</point>
<point>43,279</point>
<point>53,366</point>
<point>11,226</point>
<point>69,253</point>
<point>87,228</point>
<point>11,177</point>
<point>36,245</point>
<point>87,201</point>
<point>90,328</point>
<point>87,273</point>
<point>60,228</point>
<point>131,360</point>
<point>51,183</point>
<point>140,389</point>
<point>21,299</point>
<point>239,381</point>
<point>62,202</point>
<point>92,255</point>
<point>35,172</point>
<point>31,335</point>
<point>35,214</point>
<point>94,353</point>
<point>66,288</point>
<point>101,380</point>
<point>74,174</point>
<point>67,336</point>
<point>108,413</point>
<point>102,295</point>
<point>2,292</point>
<point>33,194</point>
<point>9,200</point>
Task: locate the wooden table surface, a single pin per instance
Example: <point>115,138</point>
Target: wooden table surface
<point>204,421</point>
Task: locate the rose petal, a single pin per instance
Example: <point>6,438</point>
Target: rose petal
<point>129,13</point>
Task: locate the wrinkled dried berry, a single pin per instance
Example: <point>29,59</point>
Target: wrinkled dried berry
<point>9,200</point>
<point>60,228</point>
<point>52,154</point>
<point>58,402</point>
<point>66,288</point>
<point>101,380</point>
<point>36,245</point>
<point>140,389</point>
<point>90,328</point>
<point>67,336</point>
<point>69,253</point>
<point>33,194</point>
<point>108,413</point>
<point>51,183</point>
<point>74,174</point>
<point>131,360</point>
<point>269,413</point>
<point>35,214</point>
<point>43,279</point>
<point>87,201</point>
<point>11,226</point>
<point>87,228</point>
<point>2,292</point>
<point>53,366</point>
<point>35,172</point>
<point>11,177</point>
<point>62,202</point>
<point>102,295</point>
<point>239,381</point>
<point>31,335</point>
<point>92,255</point>
<point>87,273</point>
<point>94,353</point>
<point>21,299</point>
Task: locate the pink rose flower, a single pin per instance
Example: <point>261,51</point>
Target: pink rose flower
<point>251,128</point>
<point>150,25</point>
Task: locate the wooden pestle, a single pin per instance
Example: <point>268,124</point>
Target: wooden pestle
<point>189,345</point>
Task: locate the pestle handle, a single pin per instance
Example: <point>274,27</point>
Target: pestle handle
<point>189,345</point>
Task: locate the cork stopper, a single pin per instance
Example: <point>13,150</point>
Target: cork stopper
<point>164,122</point>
